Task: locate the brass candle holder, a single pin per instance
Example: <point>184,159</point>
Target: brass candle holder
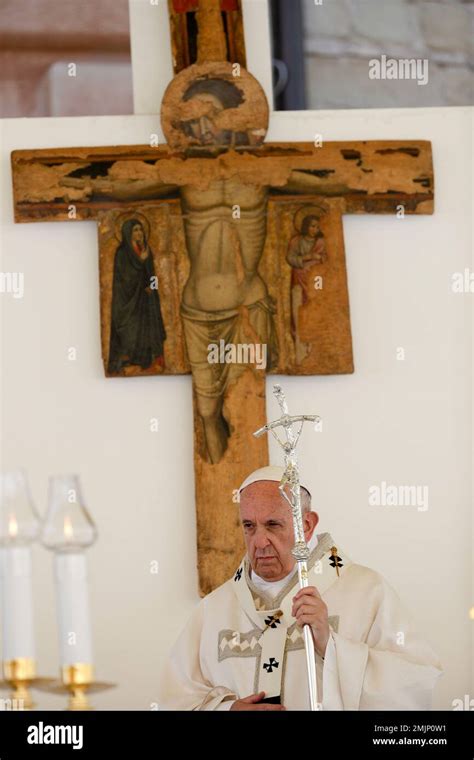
<point>78,681</point>
<point>19,675</point>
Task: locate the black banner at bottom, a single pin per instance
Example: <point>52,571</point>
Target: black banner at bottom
<point>146,734</point>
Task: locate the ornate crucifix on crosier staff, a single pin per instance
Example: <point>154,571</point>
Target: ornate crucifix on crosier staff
<point>291,479</point>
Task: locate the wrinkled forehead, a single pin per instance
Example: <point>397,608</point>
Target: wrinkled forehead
<point>263,498</point>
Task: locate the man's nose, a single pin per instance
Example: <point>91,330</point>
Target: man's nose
<point>261,539</point>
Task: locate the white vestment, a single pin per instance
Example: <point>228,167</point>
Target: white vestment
<point>235,644</point>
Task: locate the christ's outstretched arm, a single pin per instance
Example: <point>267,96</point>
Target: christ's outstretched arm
<point>123,190</point>
<point>306,182</point>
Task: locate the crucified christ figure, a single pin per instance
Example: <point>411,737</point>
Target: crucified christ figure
<point>225,298</point>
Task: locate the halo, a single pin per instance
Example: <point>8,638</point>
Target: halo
<point>315,210</point>
<point>214,80</point>
<point>124,217</point>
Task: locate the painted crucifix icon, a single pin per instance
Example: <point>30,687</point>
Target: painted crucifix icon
<point>223,255</point>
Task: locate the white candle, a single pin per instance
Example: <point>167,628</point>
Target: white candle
<point>75,640</point>
<point>17,603</point>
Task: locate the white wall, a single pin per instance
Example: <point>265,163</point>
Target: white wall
<point>405,422</point>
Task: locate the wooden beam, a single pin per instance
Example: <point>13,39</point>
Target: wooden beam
<point>370,176</point>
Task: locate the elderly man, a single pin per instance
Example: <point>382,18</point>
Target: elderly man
<point>243,648</point>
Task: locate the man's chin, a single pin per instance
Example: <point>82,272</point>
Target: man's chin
<point>269,569</point>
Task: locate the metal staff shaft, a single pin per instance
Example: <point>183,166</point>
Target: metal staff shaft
<point>300,550</point>
<point>309,643</point>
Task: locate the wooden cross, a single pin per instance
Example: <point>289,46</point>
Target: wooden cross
<point>223,255</point>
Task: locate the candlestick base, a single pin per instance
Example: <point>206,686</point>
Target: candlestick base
<point>19,675</point>
<point>78,698</point>
<point>78,681</point>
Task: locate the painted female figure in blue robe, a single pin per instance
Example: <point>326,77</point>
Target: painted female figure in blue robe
<point>137,330</point>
